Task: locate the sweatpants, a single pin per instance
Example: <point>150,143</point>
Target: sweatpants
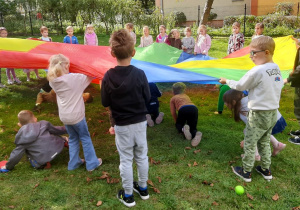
<point>131,142</point>
<point>187,114</point>
<point>258,130</point>
<point>297,104</point>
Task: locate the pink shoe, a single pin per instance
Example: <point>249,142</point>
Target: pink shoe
<point>278,149</point>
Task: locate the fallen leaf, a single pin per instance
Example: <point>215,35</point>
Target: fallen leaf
<point>159,179</point>
<point>100,121</point>
<point>150,182</point>
<point>250,196</point>
<point>215,203</point>
<point>195,163</point>
<point>251,205</point>
<point>170,145</point>
<point>188,148</point>
<point>231,162</point>
<point>189,165</point>
<point>212,184</point>
<point>104,172</point>
<point>296,208</point>
<point>206,182</point>
<point>93,134</point>
<point>35,186</point>
<point>55,171</point>
<point>231,188</point>
<point>88,179</point>
<point>152,161</point>
<point>275,197</point>
<point>196,151</point>
<point>99,203</point>
<point>72,175</point>
<point>267,187</point>
<point>156,190</point>
<point>114,181</point>
<point>104,176</point>
<point>107,180</point>
<point>11,207</point>
<point>46,179</point>
<point>190,176</point>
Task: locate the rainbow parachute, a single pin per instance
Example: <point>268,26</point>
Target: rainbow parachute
<point>160,62</point>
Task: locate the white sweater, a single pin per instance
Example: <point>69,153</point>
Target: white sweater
<point>69,89</point>
<point>264,83</point>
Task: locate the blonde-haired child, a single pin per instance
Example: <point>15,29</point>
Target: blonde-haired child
<point>174,39</point>
<point>162,37</point>
<point>236,39</point>
<point>259,30</point>
<point>203,41</point>
<point>188,42</point>
<point>69,89</point>
<point>146,39</point>
<point>9,71</point>
<point>45,33</point>
<point>129,28</point>
<point>90,37</point>
<point>70,38</point>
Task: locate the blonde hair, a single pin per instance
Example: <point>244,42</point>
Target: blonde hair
<point>178,88</point>
<point>187,29</point>
<point>260,25</point>
<point>129,25</point>
<point>203,27</point>
<point>264,43</point>
<point>57,66</point>
<point>43,28</point>
<point>236,24</point>
<point>25,117</point>
<point>175,30</point>
<point>89,26</point>
<point>146,27</point>
<point>69,27</point>
<point>122,44</point>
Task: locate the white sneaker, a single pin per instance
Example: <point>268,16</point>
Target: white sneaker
<point>187,132</point>
<point>196,140</point>
<point>10,82</point>
<point>17,81</point>
<point>160,118</point>
<point>149,120</point>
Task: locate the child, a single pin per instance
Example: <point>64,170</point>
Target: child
<point>264,83</point>
<point>129,28</point>
<point>90,37</point>
<point>162,37</point>
<point>203,41</point>
<point>188,42</point>
<point>70,39</point>
<point>174,39</point>
<point>27,71</point>
<point>146,39</point>
<point>40,141</point>
<point>223,89</point>
<point>236,39</point>
<point>9,71</point>
<point>237,102</point>
<point>69,89</point>
<point>294,78</point>
<point>153,106</point>
<point>125,90</point>
<point>187,113</point>
<point>44,32</point>
<point>259,30</point>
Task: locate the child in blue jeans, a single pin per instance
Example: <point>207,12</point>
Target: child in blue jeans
<point>125,90</point>
<point>69,89</point>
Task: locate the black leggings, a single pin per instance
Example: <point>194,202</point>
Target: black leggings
<point>187,114</point>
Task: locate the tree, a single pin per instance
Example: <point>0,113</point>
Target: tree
<point>205,15</point>
<point>147,4</point>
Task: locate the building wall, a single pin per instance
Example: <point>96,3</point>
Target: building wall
<point>268,6</point>
<point>223,8</point>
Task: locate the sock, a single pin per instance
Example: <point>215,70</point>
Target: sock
<point>126,195</point>
<point>143,188</point>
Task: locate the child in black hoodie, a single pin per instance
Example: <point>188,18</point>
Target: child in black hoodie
<point>126,91</point>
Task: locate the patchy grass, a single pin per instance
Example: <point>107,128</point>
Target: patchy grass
<point>206,185</point>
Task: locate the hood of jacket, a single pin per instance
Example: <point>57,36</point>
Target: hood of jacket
<point>28,133</point>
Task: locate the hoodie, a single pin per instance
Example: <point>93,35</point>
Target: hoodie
<point>126,91</point>
<point>40,142</point>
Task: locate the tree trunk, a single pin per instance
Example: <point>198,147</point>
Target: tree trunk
<point>206,12</point>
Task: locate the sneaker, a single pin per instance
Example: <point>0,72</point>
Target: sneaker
<point>196,140</point>
<point>28,80</point>
<point>246,176</point>
<point>257,157</point>
<point>295,140</point>
<point>278,149</point>
<point>160,118</point>
<point>100,163</point>
<point>127,201</point>
<point>143,193</point>
<point>149,120</point>
<point>10,82</point>
<point>2,86</point>
<point>266,173</point>
<point>187,133</point>
<point>17,81</point>
<point>295,133</point>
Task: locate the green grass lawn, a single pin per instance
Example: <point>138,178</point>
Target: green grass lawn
<point>191,178</point>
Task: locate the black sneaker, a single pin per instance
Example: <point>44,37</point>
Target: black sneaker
<point>144,194</point>
<point>265,173</point>
<point>295,133</point>
<point>127,201</point>
<point>295,140</point>
<point>246,176</point>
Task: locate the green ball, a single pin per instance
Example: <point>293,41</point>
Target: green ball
<point>239,190</point>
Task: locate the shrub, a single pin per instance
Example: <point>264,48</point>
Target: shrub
<point>180,18</point>
<point>212,16</point>
<point>284,8</point>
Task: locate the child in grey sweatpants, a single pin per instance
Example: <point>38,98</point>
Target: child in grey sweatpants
<point>126,91</point>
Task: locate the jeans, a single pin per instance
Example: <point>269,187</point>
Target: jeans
<point>80,132</point>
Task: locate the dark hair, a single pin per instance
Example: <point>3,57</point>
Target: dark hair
<point>122,44</point>
<point>234,97</point>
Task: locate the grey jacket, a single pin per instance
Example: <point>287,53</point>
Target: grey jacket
<point>40,142</point>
